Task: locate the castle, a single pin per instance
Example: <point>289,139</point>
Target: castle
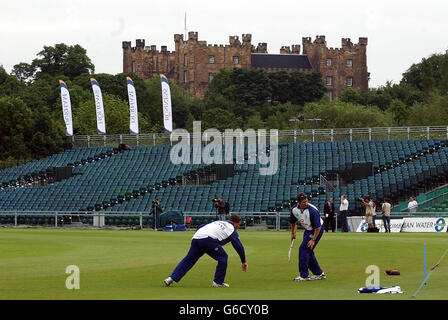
<point>193,62</point>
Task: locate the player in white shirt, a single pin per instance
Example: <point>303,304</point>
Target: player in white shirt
<point>209,239</point>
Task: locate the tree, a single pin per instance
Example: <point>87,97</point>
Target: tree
<point>61,59</point>
<point>431,113</point>
<point>306,87</point>
<point>24,72</point>
<point>429,75</point>
<point>42,93</point>
<point>220,119</point>
<point>351,95</point>
<point>48,137</point>
<point>399,110</point>
<point>116,113</point>
<point>16,128</point>
<point>281,91</point>
<point>11,86</point>
<point>337,114</point>
<point>255,122</point>
<point>3,75</point>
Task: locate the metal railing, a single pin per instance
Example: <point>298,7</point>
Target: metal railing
<point>100,219</point>
<point>300,135</point>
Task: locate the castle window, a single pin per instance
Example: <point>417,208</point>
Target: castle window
<point>236,59</point>
<point>185,60</point>
<point>349,63</point>
<point>349,81</point>
<point>210,77</point>
<point>329,62</point>
<point>185,76</point>
<point>330,95</point>
<point>133,66</point>
<point>329,81</point>
<point>211,59</point>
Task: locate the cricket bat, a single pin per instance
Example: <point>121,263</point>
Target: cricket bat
<point>292,242</point>
<point>290,249</point>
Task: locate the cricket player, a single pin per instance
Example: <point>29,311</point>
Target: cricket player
<point>209,239</point>
<point>309,218</point>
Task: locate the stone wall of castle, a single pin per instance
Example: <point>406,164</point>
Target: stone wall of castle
<point>197,61</point>
<point>340,67</point>
<point>147,61</point>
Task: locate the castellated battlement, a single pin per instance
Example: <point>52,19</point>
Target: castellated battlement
<point>247,38</point>
<point>334,50</point>
<point>362,41</point>
<point>261,48</point>
<point>178,38</point>
<point>294,49</point>
<point>234,41</point>
<point>140,44</point>
<point>193,35</point>
<point>348,45</point>
<point>285,50</point>
<point>320,40</point>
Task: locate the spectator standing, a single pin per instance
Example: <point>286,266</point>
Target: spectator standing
<point>373,211</point>
<point>329,215</point>
<point>385,209</point>
<point>412,205</point>
<point>343,212</point>
<point>368,205</point>
<point>155,210</point>
<point>220,205</point>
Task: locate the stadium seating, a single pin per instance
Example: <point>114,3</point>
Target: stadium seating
<point>123,184</point>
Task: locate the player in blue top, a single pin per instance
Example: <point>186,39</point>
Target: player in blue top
<point>209,239</point>
<point>309,217</point>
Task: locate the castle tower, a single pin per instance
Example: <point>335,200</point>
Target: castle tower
<point>197,61</point>
<point>341,68</point>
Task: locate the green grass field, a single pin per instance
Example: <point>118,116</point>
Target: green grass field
<point>126,264</point>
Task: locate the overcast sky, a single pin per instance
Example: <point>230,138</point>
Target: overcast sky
<point>399,32</point>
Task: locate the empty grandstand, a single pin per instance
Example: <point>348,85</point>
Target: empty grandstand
<point>123,184</point>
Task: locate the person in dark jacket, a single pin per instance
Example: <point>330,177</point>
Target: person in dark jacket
<point>329,216</point>
<point>220,205</point>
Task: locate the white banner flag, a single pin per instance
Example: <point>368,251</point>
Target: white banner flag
<point>133,125</point>
<point>166,104</point>
<point>100,118</point>
<point>66,108</point>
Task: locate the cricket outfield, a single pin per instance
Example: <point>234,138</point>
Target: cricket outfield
<point>131,264</point>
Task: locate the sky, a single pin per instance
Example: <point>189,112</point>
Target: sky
<point>400,33</point>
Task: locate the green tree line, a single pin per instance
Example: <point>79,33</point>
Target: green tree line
<point>32,126</point>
